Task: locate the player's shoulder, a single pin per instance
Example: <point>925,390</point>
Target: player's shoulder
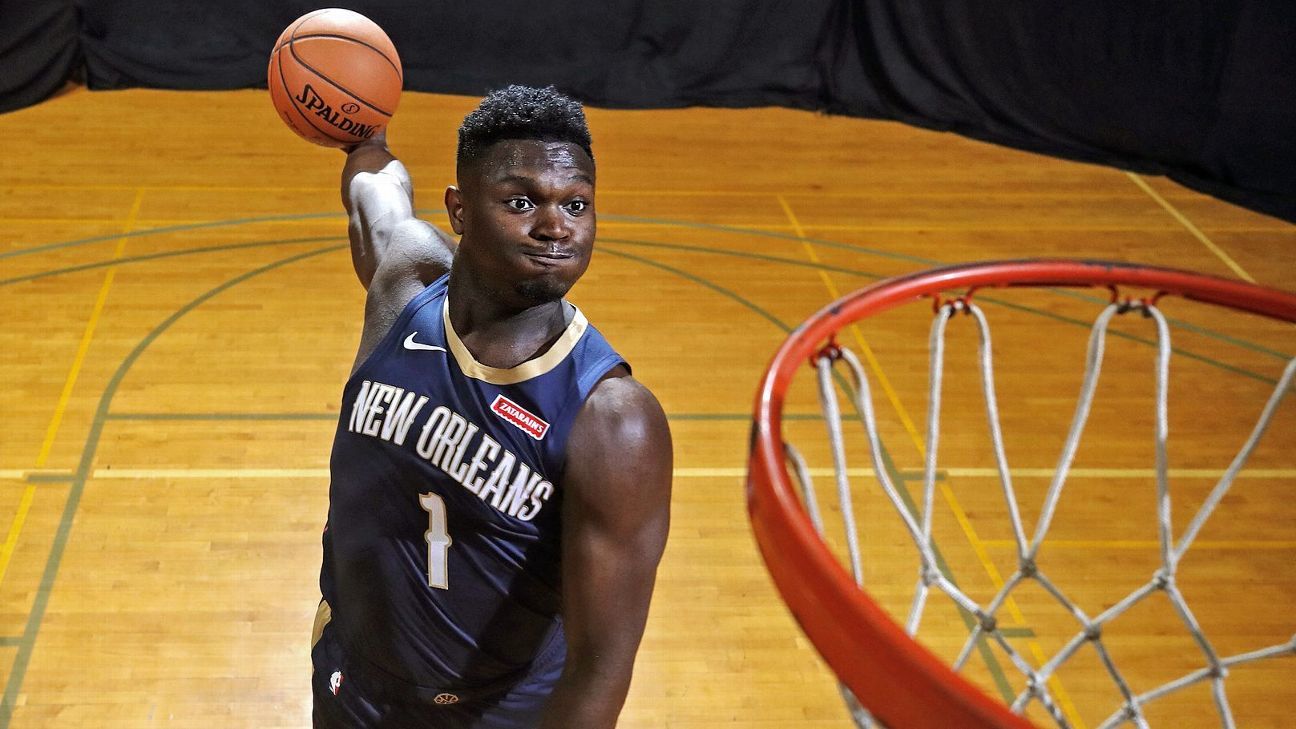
<point>623,410</point>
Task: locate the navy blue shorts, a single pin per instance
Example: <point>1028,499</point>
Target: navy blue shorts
<point>343,699</point>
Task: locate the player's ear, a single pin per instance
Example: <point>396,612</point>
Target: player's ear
<point>454,208</point>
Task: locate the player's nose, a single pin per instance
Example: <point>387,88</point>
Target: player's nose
<point>551,223</point>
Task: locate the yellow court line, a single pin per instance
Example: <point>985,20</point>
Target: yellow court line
<point>145,222</point>
<point>721,472</point>
<point>1078,473</point>
<point>1075,473</point>
<point>1250,473</point>
<point>22,474</point>
<point>17,474</point>
<point>1188,224</point>
<point>15,529</point>
<point>1068,707</point>
<point>670,192</point>
<point>873,362</point>
<point>235,473</point>
<point>605,222</point>
<point>1148,544</point>
<point>86,337</point>
<point>183,188</point>
<point>24,504</point>
<point>200,473</point>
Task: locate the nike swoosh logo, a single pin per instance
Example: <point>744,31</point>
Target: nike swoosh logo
<point>411,344</point>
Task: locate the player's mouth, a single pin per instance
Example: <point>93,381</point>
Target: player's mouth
<point>548,257</point>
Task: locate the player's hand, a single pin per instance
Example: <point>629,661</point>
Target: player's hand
<point>379,140</point>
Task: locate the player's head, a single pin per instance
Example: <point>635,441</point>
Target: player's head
<point>521,112</point>
<point>524,205</point>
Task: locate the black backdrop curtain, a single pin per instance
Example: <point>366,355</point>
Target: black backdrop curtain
<point>1201,90</point>
<point>38,50</point>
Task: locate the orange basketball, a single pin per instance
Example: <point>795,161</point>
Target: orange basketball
<point>334,77</point>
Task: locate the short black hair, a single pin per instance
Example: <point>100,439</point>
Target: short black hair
<point>522,112</point>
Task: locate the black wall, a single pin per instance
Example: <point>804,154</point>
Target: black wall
<point>39,50</point>
<point>1201,90</point>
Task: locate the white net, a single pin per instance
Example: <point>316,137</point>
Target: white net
<point>986,623</point>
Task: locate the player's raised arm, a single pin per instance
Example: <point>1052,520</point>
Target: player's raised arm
<point>395,254</point>
<point>385,236</point>
<point>616,514</point>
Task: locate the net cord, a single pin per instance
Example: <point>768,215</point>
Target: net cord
<point>986,361</point>
<point>1093,367</point>
<point>832,413</point>
<point>1226,481</point>
<point>807,486</point>
<point>861,716</point>
<point>930,574</point>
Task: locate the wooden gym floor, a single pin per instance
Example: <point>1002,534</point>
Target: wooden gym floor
<point>180,315</point>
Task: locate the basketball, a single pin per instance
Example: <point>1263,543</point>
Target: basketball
<point>334,77</point>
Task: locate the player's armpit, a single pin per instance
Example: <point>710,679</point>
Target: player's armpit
<point>616,514</point>
<point>417,254</point>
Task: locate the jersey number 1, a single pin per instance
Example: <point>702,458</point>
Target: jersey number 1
<point>438,540</point>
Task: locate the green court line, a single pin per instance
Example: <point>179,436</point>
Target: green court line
<point>10,640</point>
<point>222,416</point>
<point>1243,344</point>
<point>167,229</point>
<point>1151,343</point>
<point>1186,326</point>
<point>50,477</point>
<point>744,417</point>
<point>1007,304</point>
<point>739,254</point>
<point>27,642</point>
<point>164,254</point>
<point>705,284</point>
<point>317,239</point>
<point>915,475</point>
<point>697,249</point>
<point>800,262</point>
<point>779,236</point>
<point>731,230</point>
<point>737,417</point>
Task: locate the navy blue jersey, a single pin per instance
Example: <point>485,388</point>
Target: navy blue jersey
<point>441,555</point>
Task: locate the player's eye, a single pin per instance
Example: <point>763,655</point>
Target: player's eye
<point>576,207</point>
<point>519,203</point>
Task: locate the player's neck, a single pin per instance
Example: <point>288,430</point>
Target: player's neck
<point>504,337</point>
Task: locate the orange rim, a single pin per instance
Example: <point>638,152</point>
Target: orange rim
<point>899,681</point>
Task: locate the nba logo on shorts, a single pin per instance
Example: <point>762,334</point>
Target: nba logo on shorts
<point>335,682</point>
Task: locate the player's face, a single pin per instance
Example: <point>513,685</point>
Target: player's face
<point>526,214</point>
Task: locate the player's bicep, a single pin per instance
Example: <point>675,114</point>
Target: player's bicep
<point>377,204</point>
<point>616,515</point>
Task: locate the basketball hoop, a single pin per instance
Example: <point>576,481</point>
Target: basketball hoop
<point>898,681</point>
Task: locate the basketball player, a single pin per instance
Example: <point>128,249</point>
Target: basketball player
<point>500,483</point>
